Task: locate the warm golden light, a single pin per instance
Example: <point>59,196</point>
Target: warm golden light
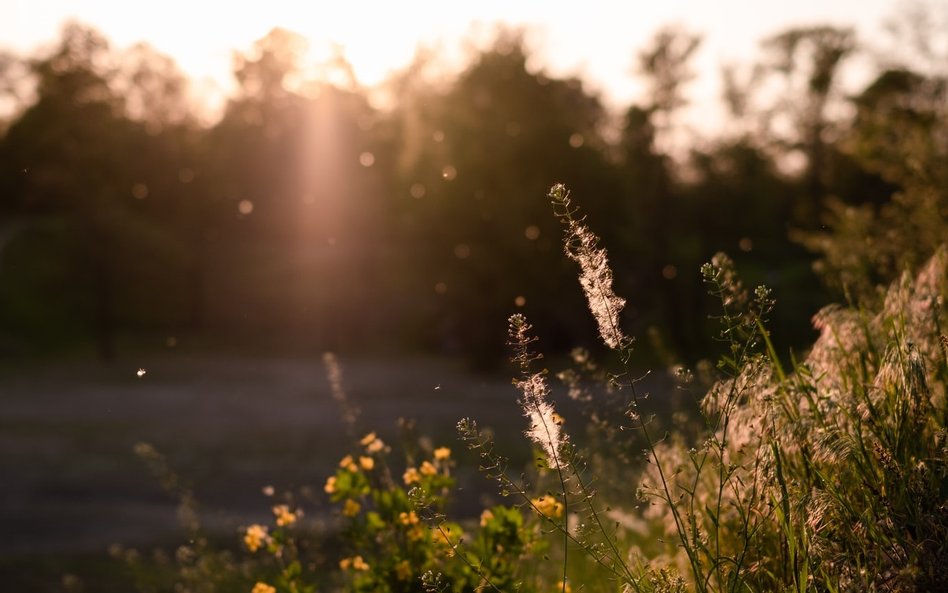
<point>379,37</point>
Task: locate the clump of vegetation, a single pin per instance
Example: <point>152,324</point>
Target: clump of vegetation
<point>827,473</point>
<point>396,533</point>
<point>830,475</point>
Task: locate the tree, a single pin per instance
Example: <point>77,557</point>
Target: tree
<point>76,169</point>
<point>808,60</point>
<point>898,136</point>
<point>297,195</point>
<point>477,219</point>
<point>654,200</point>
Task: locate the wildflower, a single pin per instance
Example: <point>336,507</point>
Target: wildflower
<point>563,587</point>
<point>351,508</point>
<point>350,413</point>
<point>582,246</point>
<point>348,464</point>
<point>411,476</point>
<point>410,518</point>
<point>428,468</point>
<point>330,486</point>
<point>442,453</point>
<point>403,570</point>
<point>548,506</point>
<point>372,443</point>
<point>255,537</point>
<point>355,563</point>
<point>440,536</point>
<point>284,516</point>
<point>263,588</point>
<point>486,516</point>
<point>366,463</point>
<point>415,533</point>
<point>544,428</point>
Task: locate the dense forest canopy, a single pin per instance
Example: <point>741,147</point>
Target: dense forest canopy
<point>308,215</point>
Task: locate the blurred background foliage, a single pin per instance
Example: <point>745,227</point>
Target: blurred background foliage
<point>310,217</point>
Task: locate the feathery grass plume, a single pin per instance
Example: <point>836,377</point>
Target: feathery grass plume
<point>158,465</point>
<point>348,411</point>
<point>545,425</point>
<point>582,246</point>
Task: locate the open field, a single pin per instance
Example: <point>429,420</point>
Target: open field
<point>228,425</point>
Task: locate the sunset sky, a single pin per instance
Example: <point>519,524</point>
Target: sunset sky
<point>596,38</point>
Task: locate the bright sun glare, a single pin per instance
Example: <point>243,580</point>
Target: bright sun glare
<point>597,39</point>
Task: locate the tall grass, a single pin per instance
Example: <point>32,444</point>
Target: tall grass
<point>829,474</point>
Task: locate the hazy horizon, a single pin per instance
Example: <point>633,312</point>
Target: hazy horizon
<point>597,42</point>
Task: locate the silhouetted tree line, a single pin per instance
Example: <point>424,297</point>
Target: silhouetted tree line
<point>308,215</point>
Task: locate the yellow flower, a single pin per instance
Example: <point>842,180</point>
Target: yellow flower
<point>330,486</point>
<point>367,463</point>
<point>263,588</point>
<point>415,533</point>
<point>408,518</point>
<point>428,468</point>
<point>563,587</point>
<point>256,536</point>
<point>559,421</point>
<point>348,464</point>
<point>411,476</point>
<point>548,507</point>
<point>403,570</point>
<point>372,443</point>
<point>284,516</point>
<point>485,517</point>
<point>442,453</point>
<point>440,536</point>
<point>355,563</point>
<point>351,508</point>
